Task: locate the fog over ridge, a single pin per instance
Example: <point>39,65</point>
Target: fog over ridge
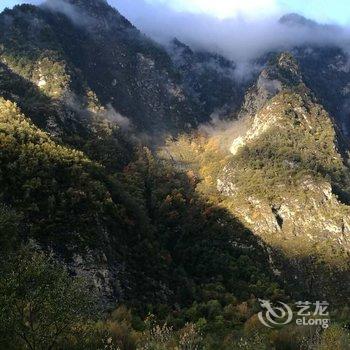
<point>240,38</point>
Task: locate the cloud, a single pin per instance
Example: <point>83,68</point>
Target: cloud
<point>225,130</point>
<point>117,118</point>
<point>241,38</point>
<point>71,11</point>
<point>222,8</point>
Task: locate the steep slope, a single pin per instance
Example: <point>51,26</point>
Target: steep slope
<point>211,78</point>
<point>326,71</point>
<point>324,65</point>
<point>279,169</point>
<point>68,167</point>
<point>68,203</point>
<point>85,55</point>
<point>286,178</point>
<point>279,73</point>
<point>140,236</point>
<point>71,49</point>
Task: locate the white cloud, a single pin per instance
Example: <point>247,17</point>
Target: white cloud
<point>240,38</point>
<point>224,8</point>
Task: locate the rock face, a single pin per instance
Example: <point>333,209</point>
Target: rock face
<point>281,72</point>
<point>284,172</point>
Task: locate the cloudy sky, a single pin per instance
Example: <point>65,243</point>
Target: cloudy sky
<point>323,10</point>
<point>239,30</point>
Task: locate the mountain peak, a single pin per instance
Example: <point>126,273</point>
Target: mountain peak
<point>295,19</point>
<point>282,72</point>
<point>85,3</point>
<point>94,8</point>
<point>92,14</point>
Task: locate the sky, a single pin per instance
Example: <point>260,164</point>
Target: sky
<point>335,11</point>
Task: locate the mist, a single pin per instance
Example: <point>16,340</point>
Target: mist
<point>69,10</point>
<point>241,39</point>
<point>225,130</point>
<point>123,122</point>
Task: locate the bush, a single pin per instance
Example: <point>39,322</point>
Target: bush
<point>41,306</point>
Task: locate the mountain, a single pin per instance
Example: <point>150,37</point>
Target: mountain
<point>79,85</point>
<point>324,66</point>
<point>325,70</point>
<point>210,78</point>
<point>163,194</point>
<point>86,54</point>
<point>281,172</point>
<point>294,19</point>
<point>287,178</point>
<point>94,56</point>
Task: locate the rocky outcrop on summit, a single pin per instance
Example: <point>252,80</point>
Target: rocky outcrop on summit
<point>280,73</point>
